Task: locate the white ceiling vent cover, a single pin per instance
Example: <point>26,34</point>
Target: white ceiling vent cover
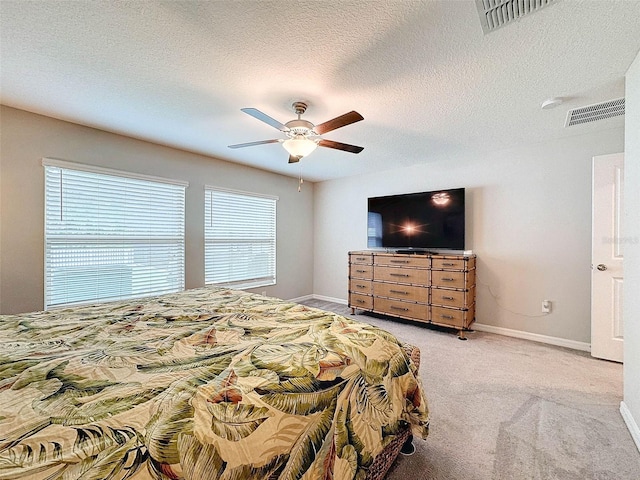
<point>595,112</point>
<point>497,13</point>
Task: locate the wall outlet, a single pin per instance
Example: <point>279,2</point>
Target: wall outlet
<point>546,306</point>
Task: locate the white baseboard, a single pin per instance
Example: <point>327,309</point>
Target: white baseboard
<point>341,301</point>
<point>318,297</point>
<point>559,342</point>
<point>634,430</point>
<point>301,299</point>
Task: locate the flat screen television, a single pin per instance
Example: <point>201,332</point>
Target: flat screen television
<point>421,221</point>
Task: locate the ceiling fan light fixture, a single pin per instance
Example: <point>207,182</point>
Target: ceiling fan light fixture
<point>299,146</point>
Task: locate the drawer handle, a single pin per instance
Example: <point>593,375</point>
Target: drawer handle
<point>359,300</point>
<point>401,292</point>
<point>361,271</point>
<point>402,309</point>
<point>448,279</point>
<point>448,317</point>
<point>364,286</point>
<point>404,275</point>
<point>362,259</point>
<point>399,261</point>
<point>448,264</point>
<point>447,298</point>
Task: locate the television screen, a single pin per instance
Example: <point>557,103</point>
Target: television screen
<point>417,220</point>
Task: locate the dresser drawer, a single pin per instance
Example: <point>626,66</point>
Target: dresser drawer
<point>360,301</point>
<point>360,286</point>
<point>401,275</point>
<point>401,309</point>
<point>453,317</point>
<point>450,316</point>
<point>416,261</point>
<point>409,293</point>
<point>360,258</point>
<point>449,298</point>
<point>361,271</point>
<point>441,278</point>
<point>448,264</point>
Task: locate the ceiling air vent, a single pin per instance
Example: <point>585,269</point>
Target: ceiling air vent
<point>595,112</point>
<point>497,13</point>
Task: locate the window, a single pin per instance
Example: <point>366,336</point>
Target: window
<point>240,238</point>
<point>110,235</point>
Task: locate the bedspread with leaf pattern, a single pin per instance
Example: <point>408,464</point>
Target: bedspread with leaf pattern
<point>206,384</point>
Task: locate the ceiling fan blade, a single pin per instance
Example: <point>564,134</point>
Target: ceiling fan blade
<point>340,146</point>
<point>263,117</point>
<point>341,121</point>
<point>251,144</point>
<point>294,159</point>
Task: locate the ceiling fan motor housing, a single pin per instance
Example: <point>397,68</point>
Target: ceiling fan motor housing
<point>299,127</point>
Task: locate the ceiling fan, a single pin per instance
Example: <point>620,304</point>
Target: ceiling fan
<point>303,136</point>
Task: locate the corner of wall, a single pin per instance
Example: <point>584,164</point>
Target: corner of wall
<point>634,430</point>
<point>630,407</point>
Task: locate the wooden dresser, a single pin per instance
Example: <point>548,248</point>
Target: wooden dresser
<point>437,289</point>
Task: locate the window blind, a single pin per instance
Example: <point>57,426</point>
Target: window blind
<point>240,238</point>
<point>109,235</point>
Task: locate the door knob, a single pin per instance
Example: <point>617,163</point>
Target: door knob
<point>602,267</point>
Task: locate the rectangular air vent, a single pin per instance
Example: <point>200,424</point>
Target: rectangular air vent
<point>595,112</point>
<point>497,13</point>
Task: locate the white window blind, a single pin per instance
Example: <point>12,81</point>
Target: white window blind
<point>110,235</point>
<point>240,238</point>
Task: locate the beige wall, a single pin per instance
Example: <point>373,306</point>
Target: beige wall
<point>26,138</point>
<point>631,307</point>
<point>528,220</point>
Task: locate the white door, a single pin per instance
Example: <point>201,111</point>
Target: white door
<point>606,257</point>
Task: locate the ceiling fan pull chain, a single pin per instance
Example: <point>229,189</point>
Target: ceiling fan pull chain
<point>301,180</point>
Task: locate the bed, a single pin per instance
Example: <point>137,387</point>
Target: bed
<point>208,383</point>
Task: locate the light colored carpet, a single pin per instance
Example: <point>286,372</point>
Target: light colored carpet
<point>504,408</point>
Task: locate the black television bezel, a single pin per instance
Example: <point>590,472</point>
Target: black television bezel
<point>460,192</point>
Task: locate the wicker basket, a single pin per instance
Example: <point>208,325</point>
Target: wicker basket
<point>383,461</point>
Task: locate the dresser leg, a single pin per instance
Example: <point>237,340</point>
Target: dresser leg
<point>461,334</point>
<point>353,311</point>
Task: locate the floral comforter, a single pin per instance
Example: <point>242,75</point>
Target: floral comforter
<point>205,384</point>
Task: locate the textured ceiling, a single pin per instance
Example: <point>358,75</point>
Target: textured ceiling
<point>430,85</point>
